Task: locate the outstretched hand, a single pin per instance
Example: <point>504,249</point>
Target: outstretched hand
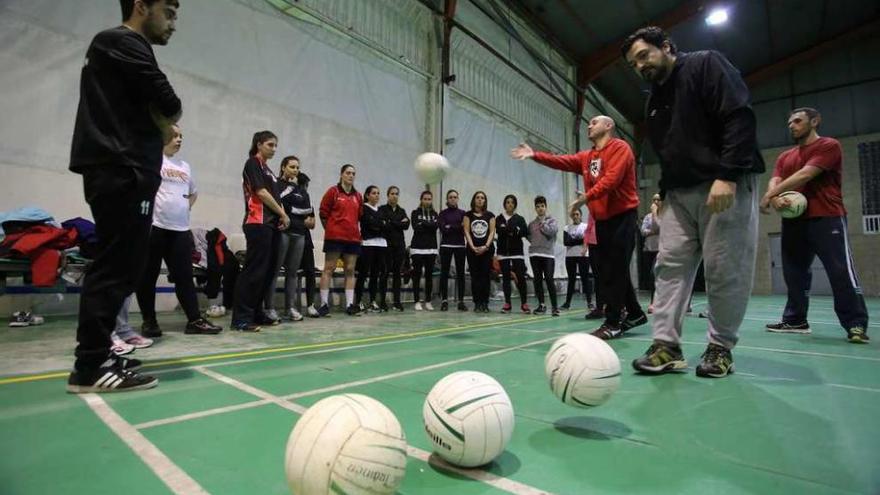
<point>522,152</point>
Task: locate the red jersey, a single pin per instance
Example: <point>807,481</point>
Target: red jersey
<point>823,193</point>
<point>609,176</point>
<point>340,214</point>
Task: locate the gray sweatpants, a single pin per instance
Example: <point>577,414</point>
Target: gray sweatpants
<point>726,243</point>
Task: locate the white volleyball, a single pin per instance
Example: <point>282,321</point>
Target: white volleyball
<point>431,167</point>
<point>583,370</point>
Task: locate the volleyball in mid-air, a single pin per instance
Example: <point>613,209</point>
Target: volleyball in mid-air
<point>431,167</point>
<point>468,418</point>
<point>346,444</point>
<point>797,204</point>
<point>583,370</point>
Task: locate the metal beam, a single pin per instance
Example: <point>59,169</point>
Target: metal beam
<point>448,20</point>
<point>779,67</point>
<point>593,65</point>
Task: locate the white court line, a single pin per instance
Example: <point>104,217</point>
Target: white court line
<point>332,388</point>
<point>505,484</point>
<point>174,478</point>
<point>779,351</point>
<point>833,385</point>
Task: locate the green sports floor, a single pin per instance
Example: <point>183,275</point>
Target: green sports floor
<point>800,416</point>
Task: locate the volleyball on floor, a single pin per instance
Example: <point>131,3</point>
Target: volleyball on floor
<point>346,444</point>
<point>583,371</point>
<point>431,167</point>
<point>797,204</point>
<point>468,418</point>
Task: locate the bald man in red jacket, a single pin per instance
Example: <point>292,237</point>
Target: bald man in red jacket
<point>609,172</point>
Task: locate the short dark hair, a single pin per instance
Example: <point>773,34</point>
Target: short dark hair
<point>510,196</point>
<point>652,35</point>
<point>128,6</point>
<point>812,113</point>
<point>540,200</point>
<point>260,138</point>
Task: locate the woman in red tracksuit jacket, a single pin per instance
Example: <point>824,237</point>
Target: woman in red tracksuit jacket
<point>340,214</point>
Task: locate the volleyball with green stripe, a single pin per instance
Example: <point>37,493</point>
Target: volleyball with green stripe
<point>349,444</point>
<point>468,418</point>
<point>583,371</point>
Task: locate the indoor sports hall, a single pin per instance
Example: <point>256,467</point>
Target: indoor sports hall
<point>326,288</point>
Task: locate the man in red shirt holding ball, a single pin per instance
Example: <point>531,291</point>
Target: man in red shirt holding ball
<point>813,168</point>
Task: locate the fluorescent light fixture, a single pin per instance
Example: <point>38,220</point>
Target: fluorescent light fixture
<point>716,17</point>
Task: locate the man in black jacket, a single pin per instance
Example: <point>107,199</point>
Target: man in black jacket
<point>125,113</point>
<point>702,127</point>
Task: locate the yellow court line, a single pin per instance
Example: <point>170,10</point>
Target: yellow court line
<point>275,350</point>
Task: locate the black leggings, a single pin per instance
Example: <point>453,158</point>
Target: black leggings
<point>175,247</point>
<point>307,265</point>
<point>256,276</point>
<point>518,267</point>
<point>446,255</point>
<point>423,262</point>
<point>543,270</point>
<point>370,263</point>
<point>393,261</point>
<point>480,267</point>
<point>575,265</point>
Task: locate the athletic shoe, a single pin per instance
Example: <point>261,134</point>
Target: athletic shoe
<point>783,327</point>
<point>703,314</point>
<point>525,309</point>
<point>429,306</point>
<point>383,307</point>
<point>109,377</point>
<point>20,319</point>
<point>506,308</point>
<point>312,311</point>
<point>444,305</point>
<point>294,315</point>
<point>202,327</point>
<point>566,306</point>
<point>630,322</point>
<point>361,307</point>
<point>216,311</point>
<point>591,306</point>
<point>462,306</point>
<point>246,327</point>
<point>139,342</point>
<point>323,311</point>
<point>418,306</point>
<point>716,362</point>
<point>352,310</point>
<point>398,307</point>
<point>555,312</point>
<point>661,357</point>
<point>267,321</point>
<point>857,335</point>
<point>119,347</point>
<point>129,364</point>
<point>594,314</point>
<point>150,329</point>
<point>374,308</point>
<point>271,316</point>
<point>541,309</point>
<point>607,332</point>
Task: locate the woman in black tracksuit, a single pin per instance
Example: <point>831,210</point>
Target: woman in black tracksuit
<point>373,246</point>
<point>398,222</point>
<point>511,228</point>
<point>479,232</point>
<point>423,248</point>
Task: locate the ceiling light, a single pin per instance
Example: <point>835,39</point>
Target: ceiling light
<point>717,17</point>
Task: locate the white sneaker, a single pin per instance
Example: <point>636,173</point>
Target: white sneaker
<point>120,347</point>
<point>418,306</point>
<point>428,307</point>
<point>139,342</point>
<point>312,311</point>
<point>216,311</point>
<point>294,315</point>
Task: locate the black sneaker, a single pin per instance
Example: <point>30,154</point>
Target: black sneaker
<point>555,312</point>
<point>857,335</point>
<point>397,307</point>
<point>110,377</point>
<point>202,327</point>
<point>129,364</point>
<point>541,309</point>
<point>783,327</point>
<point>246,327</point>
<point>607,331</point>
<point>383,307</point>
<point>323,311</point>
<point>716,362</point>
<point>565,306</point>
<point>661,357</point>
<point>150,329</point>
<point>444,305</point>
<point>462,306</point>
<point>594,314</point>
<point>268,320</point>
<point>353,310</point>
<point>631,322</point>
